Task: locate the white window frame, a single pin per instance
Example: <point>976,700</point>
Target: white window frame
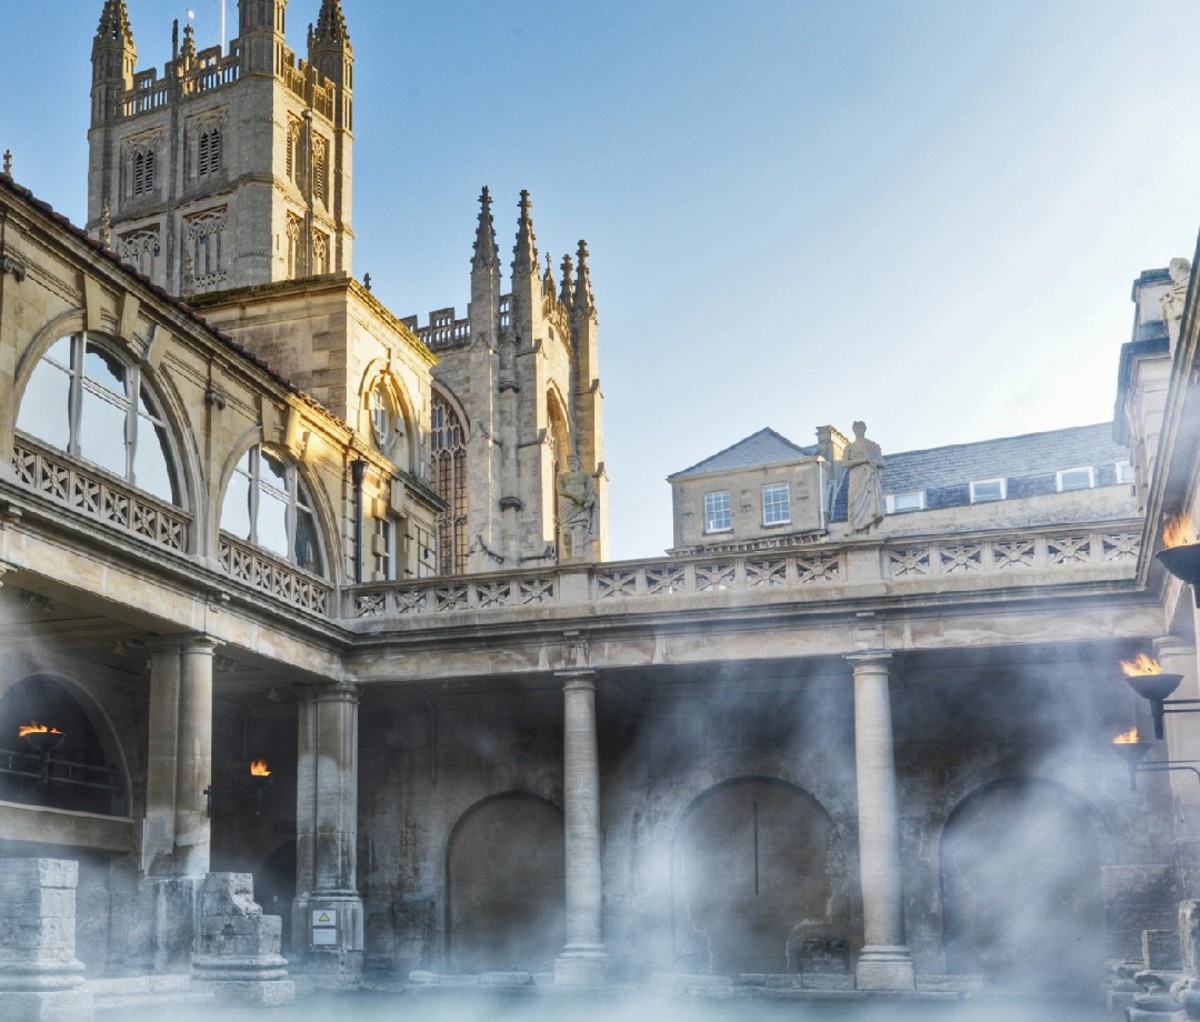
<point>785,504</point>
<point>712,510</point>
<point>902,503</point>
<point>1058,478</point>
<point>977,484</point>
<point>1124,473</point>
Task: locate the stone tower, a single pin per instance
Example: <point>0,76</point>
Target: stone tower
<point>519,377</point>
<point>231,169</point>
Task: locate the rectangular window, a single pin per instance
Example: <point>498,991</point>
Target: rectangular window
<point>1076,479</point>
<point>898,503</point>
<point>717,514</point>
<point>984,490</point>
<point>1124,472</point>
<point>776,504</point>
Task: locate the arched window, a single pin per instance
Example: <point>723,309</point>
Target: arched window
<point>87,399</point>
<point>449,455</point>
<point>209,155</point>
<point>267,504</point>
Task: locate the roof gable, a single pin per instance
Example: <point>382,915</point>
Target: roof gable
<point>766,447</point>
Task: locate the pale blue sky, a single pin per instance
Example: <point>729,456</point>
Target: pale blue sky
<point>923,214</point>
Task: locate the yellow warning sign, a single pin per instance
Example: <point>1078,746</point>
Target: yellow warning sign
<point>324,917</point>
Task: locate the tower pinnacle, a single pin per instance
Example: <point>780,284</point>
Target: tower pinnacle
<point>525,257</point>
<point>583,283</point>
<point>486,256</point>
<point>331,25</point>
<point>114,25</point>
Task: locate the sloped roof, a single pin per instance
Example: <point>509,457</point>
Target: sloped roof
<point>1008,457</point>
<point>766,447</point>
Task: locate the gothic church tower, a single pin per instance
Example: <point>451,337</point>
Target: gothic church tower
<point>230,169</point>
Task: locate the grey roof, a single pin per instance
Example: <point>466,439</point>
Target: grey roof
<point>766,447</point>
<point>1009,457</point>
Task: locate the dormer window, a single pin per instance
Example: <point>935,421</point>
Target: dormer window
<point>1076,479</point>
<point>776,504</point>
<point>718,512</point>
<point>899,503</point>
<point>984,490</point>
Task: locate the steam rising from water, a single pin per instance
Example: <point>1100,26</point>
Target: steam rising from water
<point>614,1006</point>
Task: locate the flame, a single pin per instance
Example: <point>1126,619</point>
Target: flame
<point>34,728</point>
<point>1129,737</point>
<point>1178,532</point>
<point>1141,664</point>
<point>258,768</point>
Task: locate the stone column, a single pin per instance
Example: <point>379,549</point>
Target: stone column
<point>175,852</point>
<point>327,919</point>
<point>885,962</point>
<point>1181,732</point>
<point>39,975</point>
<point>584,960</point>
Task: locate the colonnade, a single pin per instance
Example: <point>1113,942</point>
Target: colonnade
<point>328,912</point>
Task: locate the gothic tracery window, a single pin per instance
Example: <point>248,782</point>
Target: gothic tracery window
<point>449,460</point>
<point>85,397</point>
<point>143,172</point>
<point>267,504</point>
<point>208,156</point>
<point>204,259</point>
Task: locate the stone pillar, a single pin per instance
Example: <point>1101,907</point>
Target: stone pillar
<point>39,974</point>
<point>327,917</point>
<point>584,960</point>
<point>175,851</point>
<point>885,962</point>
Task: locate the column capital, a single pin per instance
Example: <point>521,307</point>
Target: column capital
<point>341,691</point>
<point>869,656</point>
<point>577,678</point>
<point>192,642</point>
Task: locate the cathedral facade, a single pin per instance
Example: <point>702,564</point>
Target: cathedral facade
<point>312,605</point>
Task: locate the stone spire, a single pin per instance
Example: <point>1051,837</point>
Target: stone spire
<point>114,26</point>
<point>486,255</point>
<point>525,256</point>
<point>568,282</point>
<point>548,287</point>
<point>331,25</point>
<point>583,284</point>
<point>188,50</point>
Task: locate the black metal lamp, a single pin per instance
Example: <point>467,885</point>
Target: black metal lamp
<point>43,740</point>
<point>260,780</point>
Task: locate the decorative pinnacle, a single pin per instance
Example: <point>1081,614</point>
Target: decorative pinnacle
<point>583,283</point>
<point>114,24</point>
<point>525,257</point>
<point>8,163</point>
<point>189,41</point>
<point>568,269</point>
<point>486,255</point>
<point>331,24</point>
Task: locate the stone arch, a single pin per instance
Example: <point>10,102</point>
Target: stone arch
<point>180,452</point>
<point>505,881</point>
<point>400,446</point>
<point>758,881</point>
<point>89,771</point>
<point>1022,903</point>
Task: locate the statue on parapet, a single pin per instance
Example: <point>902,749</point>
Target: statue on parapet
<point>577,518</point>
<point>863,461</point>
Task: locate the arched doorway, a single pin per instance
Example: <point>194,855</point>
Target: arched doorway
<point>1021,896</point>
<point>504,886</point>
<point>758,882</point>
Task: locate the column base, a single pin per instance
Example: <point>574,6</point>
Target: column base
<point>581,965</point>
<point>885,967</point>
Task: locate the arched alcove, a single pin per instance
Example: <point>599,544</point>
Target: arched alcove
<point>1021,896</point>
<point>758,881</point>
<point>84,772</point>
<point>504,886</point>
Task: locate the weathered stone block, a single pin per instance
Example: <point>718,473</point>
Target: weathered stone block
<point>1136,898</point>
<point>1160,949</point>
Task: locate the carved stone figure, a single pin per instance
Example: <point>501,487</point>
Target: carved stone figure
<point>863,459</point>
<point>1172,302</point>
<point>576,512</point>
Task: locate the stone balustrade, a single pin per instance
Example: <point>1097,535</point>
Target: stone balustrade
<point>274,576</point>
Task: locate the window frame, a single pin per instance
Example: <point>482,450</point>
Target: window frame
<point>1124,473</point>
<point>711,510</point>
<point>892,502</point>
<point>1091,478</point>
<point>1000,481</point>
<point>294,488</point>
<point>138,402</point>
<point>786,488</point>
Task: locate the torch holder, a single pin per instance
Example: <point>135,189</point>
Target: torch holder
<point>1155,688</point>
<point>1133,753</point>
<point>258,784</point>
<point>44,743</point>
<point>1184,563</point>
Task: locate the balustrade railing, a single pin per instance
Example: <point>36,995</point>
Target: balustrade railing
<point>98,497</point>
<point>809,571</point>
<point>274,576</point>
